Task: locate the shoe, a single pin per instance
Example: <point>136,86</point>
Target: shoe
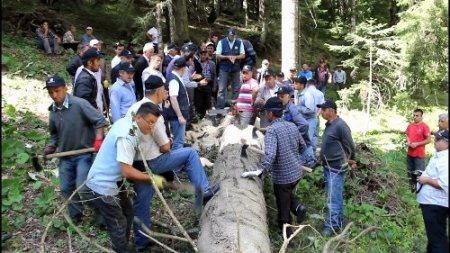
<point>327,231</point>
<point>210,193</point>
<point>77,219</point>
<point>145,248</point>
<point>198,203</point>
<point>301,214</point>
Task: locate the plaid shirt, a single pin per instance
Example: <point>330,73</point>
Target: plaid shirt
<point>283,144</point>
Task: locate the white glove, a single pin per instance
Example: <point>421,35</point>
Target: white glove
<point>253,173</point>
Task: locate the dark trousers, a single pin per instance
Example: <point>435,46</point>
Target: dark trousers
<point>286,202</point>
<point>72,45</point>
<point>435,219</point>
<point>414,163</point>
<point>202,101</point>
<point>118,213</point>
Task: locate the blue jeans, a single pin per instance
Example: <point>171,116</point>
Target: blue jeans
<point>142,204</point>
<point>313,125</point>
<point>174,159</point>
<point>73,172</point>
<point>224,77</point>
<point>178,131</point>
<point>334,186</point>
<point>322,86</point>
<point>308,156</point>
<point>50,45</point>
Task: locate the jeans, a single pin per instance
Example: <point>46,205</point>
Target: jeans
<point>247,118</point>
<point>224,77</point>
<point>142,204</point>
<point>118,215</point>
<point>178,131</point>
<point>174,159</point>
<point>322,86</point>
<point>435,219</point>
<point>73,172</point>
<point>312,126</point>
<point>286,202</point>
<point>414,163</point>
<point>50,45</point>
<point>334,186</point>
<point>308,156</point>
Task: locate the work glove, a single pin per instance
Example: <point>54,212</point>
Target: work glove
<point>49,150</point>
<point>97,144</point>
<point>253,173</point>
<point>159,181</point>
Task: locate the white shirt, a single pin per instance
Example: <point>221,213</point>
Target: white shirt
<point>115,61</point>
<point>149,71</point>
<point>150,143</point>
<point>437,169</point>
<point>174,88</point>
<point>154,32</point>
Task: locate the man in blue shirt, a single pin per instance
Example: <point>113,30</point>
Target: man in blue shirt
<point>122,94</point>
<point>87,37</point>
<point>305,71</point>
<point>229,52</point>
<point>112,165</point>
<point>283,144</point>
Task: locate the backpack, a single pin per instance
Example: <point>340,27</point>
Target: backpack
<point>250,54</point>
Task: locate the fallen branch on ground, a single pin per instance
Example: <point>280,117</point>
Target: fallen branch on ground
<point>343,237</point>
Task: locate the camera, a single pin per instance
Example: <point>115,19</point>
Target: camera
<point>414,175</point>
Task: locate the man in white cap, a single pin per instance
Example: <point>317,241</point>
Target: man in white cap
<point>87,37</point>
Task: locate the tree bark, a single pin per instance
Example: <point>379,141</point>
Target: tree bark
<point>235,219</point>
<point>289,35</point>
<point>263,19</point>
<point>353,18</point>
<point>180,24</point>
<point>245,7</point>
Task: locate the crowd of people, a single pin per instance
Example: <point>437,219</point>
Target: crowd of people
<point>154,96</point>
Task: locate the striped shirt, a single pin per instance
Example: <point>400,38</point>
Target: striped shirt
<point>437,169</point>
<point>244,100</point>
<point>283,144</point>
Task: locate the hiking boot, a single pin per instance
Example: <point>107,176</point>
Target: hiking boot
<point>301,213</point>
<point>198,203</point>
<point>207,195</point>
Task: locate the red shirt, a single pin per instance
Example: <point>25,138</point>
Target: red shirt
<point>417,132</point>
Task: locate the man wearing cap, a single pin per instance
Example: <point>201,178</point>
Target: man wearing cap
<point>172,50</point>
<point>126,56</point>
<point>76,61</point>
<point>307,108</point>
<point>141,63</point>
<point>433,195</point>
<point>118,48</point>
<point>153,69</point>
<point>85,82</point>
<point>267,91</point>
<point>73,124</point>
<point>305,71</point>
<point>282,144</point>
<point>247,96</point>
<point>87,37</point>
<point>292,114</point>
<point>260,72</point>
<point>229,52</point>
<point>417,136</point>
<point>122,94</point>
<point>337,153</point>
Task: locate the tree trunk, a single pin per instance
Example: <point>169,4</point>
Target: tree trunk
<point>180,24</point>
<point>263,19</point>
<point>167,11</point>
<point>217,7</point>
<point>235,219</point>
<point>369,88</point>
<point>159,10</point>
<point>245,7</point>
<point>353,18</point>
<point>289,35</point>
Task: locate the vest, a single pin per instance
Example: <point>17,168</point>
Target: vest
<point>182,98</point>
<point>226,65</point>
<point>105,171</point>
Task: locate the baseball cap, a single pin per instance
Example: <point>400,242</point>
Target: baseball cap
<point>273,104</point>
<point>128,67</point>
<point>126,53</point>
<point>153,82</point>
<point>54,81</point>
<point>180,62</point>
<point>92,53</point>
<point>89,28</point>
<point>93,42</point>
<point>328,104</point>
<point>231,31</point>
<point>247,68</point>
<point>285,89</point>
<point>301,80</point>
<point>209,43</point>
<point>202,50</point>
<point>172,46</point>
<point>441,134</point>
<point>267,73</point>
<point>280,74</point>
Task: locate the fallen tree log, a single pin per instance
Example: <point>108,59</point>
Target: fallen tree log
<point>235,219</point>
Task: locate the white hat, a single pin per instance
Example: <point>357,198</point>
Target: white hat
<point>88,28</point>
<point>265,61</point>
<point>93,42</point>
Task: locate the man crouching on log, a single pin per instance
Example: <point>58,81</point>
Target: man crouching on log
<point>283,144</point>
